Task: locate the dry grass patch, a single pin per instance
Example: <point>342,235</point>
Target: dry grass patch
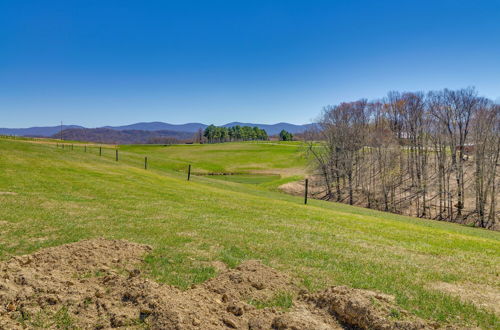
<point>483,296</point>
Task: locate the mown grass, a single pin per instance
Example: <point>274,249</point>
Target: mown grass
<point>265,163</point>
<point>65,196</point>
<point>237,158</point>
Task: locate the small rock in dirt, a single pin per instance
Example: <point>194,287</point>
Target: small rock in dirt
<point>134,273</point>
<point>11,307</point>
<point>235,309</point>
<point>235,278</point>
<point>143,315</point>
<point>230,322</point>
<point>51,300</point>
<point>258,285</point>
<point>118,320</point>
<point>258,323</point>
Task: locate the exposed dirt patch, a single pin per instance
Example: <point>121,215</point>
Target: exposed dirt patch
<point>284,172</point>
<point>298,188</point>
<point>8,193</point>
<point>482,296</point>
<point>219,266</point>
<point>96,284</point>
<point>293,188</point>
<point>364,309</point>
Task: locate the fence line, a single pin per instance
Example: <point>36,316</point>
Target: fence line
<point>146,164</point>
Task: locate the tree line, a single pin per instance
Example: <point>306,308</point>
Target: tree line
<point>217,134</point>
<point>432,155</point>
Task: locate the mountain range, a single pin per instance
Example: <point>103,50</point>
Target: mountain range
<point>152,126</point>
<point>133,136</point>
<point>44,131</point>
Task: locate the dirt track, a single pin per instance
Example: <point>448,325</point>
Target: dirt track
<point>96,284</point>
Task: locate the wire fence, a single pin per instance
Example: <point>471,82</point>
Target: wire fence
<point>136,160</point>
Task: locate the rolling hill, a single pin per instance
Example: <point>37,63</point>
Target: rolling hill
<point>44,131</point>
<point>51,196</point>
<point>160,126</point>
<point>106,135</point>
<point>152,126</point>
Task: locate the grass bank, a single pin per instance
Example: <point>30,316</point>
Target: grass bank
<point>52,196</point>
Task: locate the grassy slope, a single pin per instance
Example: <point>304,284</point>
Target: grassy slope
<point>65,196</point>
<point>227,157</point>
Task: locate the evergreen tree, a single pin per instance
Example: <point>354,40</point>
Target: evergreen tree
<point>215,134</point>
<point>286,136</point>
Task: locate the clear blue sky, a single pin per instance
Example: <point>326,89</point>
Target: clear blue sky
<point>110,62</point>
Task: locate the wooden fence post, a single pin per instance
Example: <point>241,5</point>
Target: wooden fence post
<point>72,147</point>
<point>145,163</point>
<point>100,151</point>
<point>189,171</point>
<point>116,151</point>
<point>85,148</point>
<point>305,192</point>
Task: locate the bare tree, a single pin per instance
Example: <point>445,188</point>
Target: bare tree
<point>345,128</point>
<point>455,114</point>
<point>486,153</point>
<point>411,153</point>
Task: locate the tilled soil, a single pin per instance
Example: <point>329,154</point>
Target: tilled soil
<point>96,284</point>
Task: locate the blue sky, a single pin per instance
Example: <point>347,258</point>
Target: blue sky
<point>109,62</point>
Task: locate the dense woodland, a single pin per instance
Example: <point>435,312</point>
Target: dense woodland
<point>433,155</point>
<point>216,134</point>
<point>107,135</point>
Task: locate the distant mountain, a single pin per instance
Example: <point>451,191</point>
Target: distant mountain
<point>193,127</point>
<point>153,126</point>
<point>158,126</point>
<point>36,131</point>
<point>112,136</point>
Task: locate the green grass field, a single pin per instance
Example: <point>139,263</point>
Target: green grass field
<point>225,158</point>
<point>58,196</point>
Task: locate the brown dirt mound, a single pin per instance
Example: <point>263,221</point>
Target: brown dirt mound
<point>95,284</point>
<point>364,309</point>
